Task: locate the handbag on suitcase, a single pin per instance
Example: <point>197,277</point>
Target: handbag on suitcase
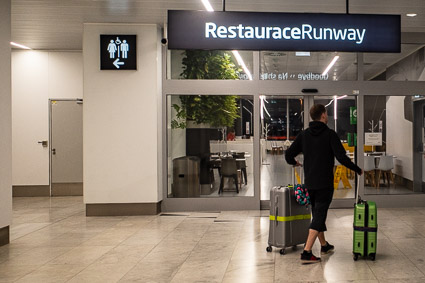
<point>289,221</point>
<point>365,228</point>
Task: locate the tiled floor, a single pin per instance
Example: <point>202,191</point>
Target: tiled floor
<point>52,241</point>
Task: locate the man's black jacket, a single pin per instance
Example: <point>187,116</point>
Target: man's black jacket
<point>320,145</point>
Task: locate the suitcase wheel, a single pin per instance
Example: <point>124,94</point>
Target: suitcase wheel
<point>282,251</point>
<point>269,249</point>
<point>294,248</point>
<point>355,257</point>
<point>372,257</point>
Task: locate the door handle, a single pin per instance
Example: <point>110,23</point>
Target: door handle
<point>43,143</point>
<point>54,151</point>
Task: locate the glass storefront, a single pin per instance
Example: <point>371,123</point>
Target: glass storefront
<point>281,120</point>
<point>393,147</point>
<point>210,146</point>
<point>210,65</point>
<point>308,66</point>
<point>403,66</point>
<point>342,118</point>
<point>203,138</point>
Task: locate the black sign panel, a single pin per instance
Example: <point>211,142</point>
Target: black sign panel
<point>118,52</point>
<point>283,31</point>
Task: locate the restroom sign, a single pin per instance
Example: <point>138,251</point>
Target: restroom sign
<point>118,52</point>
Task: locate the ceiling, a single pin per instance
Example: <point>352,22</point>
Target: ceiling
<point>58,24</point>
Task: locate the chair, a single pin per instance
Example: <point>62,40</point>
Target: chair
<point>369,169</point>
<point>241,165</point>
<point>228,170</point>
<point>386,164</point>
<point>367,148</point>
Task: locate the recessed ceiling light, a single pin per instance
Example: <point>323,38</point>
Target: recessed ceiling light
<point>19,45</point>
<point>300,53</point>
<point>411,15</point>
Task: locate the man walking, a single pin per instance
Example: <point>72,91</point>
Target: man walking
<point>320,145</point>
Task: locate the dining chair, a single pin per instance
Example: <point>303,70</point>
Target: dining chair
<point>228,170</point>
<point>241,165</point>
<point>369,169</point>
<point>386,164</point>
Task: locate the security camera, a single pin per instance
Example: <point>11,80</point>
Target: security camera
<point>164,41</point>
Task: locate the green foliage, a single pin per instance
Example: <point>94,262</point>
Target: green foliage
<point>208,64</point>
<point>216,110</point>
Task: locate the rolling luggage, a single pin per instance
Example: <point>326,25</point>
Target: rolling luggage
<point>365,228</point>
<point>289,221</point>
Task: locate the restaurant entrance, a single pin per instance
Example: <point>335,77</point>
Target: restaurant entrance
<point>262,113</point>
<point>282,118</point>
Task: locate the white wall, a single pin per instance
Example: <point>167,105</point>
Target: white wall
<point>36,77</point>
<point>5,117</point>
<point>122,120</point>
<point>399,137</point>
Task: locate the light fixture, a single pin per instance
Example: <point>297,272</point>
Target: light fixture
<point>302,54</point>
<point>335,98</point>
<point>242,64</point>
<point>207,5</point>
<point>335,108</point>
<point>19,45</point>
<point>330,65</point>
<point>411,15</point>
<point>262,107</point>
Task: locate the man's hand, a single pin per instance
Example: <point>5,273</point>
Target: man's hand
<point>361,173</point>
<point>298,164</point>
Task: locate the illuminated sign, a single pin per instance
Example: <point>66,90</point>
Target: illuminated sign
<point>305,32</point>
<point>118,52</point>
<point>283,31</point>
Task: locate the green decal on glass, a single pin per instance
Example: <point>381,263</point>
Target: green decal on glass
<point>350,139</point>
<point>353,115</point>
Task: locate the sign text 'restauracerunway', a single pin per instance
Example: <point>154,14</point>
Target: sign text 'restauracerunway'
<point>306,31</point>
<point>283,31</point>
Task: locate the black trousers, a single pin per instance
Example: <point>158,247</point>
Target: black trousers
<point>320,202</point>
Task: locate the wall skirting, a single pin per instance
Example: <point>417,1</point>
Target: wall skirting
<point>122,209</point>
<point>67,189</point>
<point>4,236</point>
<point>31,191</point>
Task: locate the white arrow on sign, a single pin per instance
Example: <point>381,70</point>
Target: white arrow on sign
<point>117,63</point>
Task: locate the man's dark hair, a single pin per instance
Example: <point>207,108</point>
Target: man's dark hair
<point>316,111</point>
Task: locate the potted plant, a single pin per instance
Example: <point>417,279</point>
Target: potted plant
<point>218,111</point>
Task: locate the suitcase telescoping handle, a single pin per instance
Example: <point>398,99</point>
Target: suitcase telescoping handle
<point>294,172</point>
<point>358,198</point>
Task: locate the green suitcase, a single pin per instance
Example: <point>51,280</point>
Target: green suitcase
<point>365,229</point>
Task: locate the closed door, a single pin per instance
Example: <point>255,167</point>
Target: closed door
<point>66,147</point>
